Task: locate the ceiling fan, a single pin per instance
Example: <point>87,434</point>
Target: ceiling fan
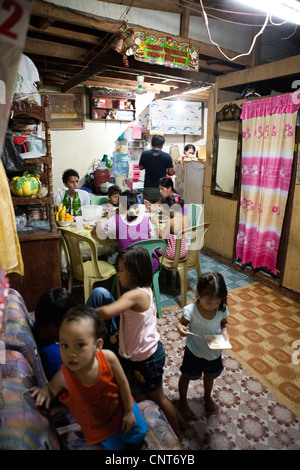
<point>140,90</point>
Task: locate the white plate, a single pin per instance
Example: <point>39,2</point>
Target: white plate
<point>218,342</point>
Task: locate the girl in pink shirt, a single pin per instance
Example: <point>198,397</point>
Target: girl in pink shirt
<point>177,221</point>
<point>138,336</point>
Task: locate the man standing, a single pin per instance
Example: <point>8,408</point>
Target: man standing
<point>156,164</point>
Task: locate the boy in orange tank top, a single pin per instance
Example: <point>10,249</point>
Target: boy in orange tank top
<point>92,384</point>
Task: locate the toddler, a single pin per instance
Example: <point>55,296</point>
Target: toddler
<point>92,383</point>
<point>207,316</point>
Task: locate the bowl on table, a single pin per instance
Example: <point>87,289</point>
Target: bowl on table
<point>64,223</point>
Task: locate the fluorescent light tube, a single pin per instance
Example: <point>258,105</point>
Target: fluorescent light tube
<point>288,10</point>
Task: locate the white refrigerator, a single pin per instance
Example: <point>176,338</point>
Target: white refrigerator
<point>189,181</point>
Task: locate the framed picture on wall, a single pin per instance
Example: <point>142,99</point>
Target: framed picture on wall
<point>66,111</point>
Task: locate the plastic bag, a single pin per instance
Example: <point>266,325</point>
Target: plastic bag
<point>37,144</point>
<point>11,159</point>
<point>26,79</point>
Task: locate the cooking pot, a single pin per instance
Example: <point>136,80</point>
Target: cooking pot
<point>104,187</point>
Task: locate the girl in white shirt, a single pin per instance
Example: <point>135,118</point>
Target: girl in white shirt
<point>206,316</point>
<point>138,336</point>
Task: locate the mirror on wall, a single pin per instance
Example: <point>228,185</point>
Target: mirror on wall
<point>227,152</point>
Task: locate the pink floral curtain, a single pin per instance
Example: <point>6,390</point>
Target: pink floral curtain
<point>267,158</point>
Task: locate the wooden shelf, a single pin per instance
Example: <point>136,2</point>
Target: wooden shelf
<point>110,105</point>
<point>39,234</point>
<point>40,247</point>
<point>30,201</point>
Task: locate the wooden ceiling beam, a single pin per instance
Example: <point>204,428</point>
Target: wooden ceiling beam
<point>105,24</point>
<point>108,82</point>
<point>185,22</point>
<point>52,49</point>
<point>68,34</point>
<point>157,5</point>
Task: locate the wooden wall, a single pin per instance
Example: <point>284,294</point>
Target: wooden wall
<point>221,212</point>
<point>291,278</point>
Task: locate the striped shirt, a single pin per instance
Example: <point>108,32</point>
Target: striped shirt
<point>171,246</point>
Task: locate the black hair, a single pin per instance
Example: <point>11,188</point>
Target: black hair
<point>175,202</point>
<point>67,173</point>
<point>131,200</point>
<point>52,306</point>
<point>157,141</point>
<point>166,182</point>
<point>85,312</point>
<point>138,264</point>
<point>190,146</point>
<point>114,190</point>
<point>212,284</point>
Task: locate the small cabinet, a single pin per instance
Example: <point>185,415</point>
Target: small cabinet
<point>40,248</point>
<point>112,105</point>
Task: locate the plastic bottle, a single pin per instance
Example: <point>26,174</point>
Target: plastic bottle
<point>76,205</point>
<point>67,202</point>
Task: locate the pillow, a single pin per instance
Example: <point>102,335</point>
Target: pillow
<point>23,426</point>
<point>17,335</point>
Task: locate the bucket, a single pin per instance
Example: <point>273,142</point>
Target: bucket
<point>101,176</point>
<point>121,181</point>
<point>91,212</point>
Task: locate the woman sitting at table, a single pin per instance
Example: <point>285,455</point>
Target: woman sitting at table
<point>177,222</point>
<point>166,188</point>
<point>127,227</point>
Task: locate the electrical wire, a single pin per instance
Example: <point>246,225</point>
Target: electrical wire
<point>288,37</point>
<point>217,45</point>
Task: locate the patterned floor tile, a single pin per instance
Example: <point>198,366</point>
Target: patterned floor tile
<point>170,296</point>
<point>249,416</point>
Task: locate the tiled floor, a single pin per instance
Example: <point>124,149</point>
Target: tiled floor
<point>170,296</point>
<point>249,417</point>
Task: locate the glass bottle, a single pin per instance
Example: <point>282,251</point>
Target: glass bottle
<point>67,202</point>
<point>76,205</point>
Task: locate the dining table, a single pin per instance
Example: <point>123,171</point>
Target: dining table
<point>106,246</point>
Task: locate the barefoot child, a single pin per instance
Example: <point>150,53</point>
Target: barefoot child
<point>92,384</point>
<point>138,336</point>
<point>207,316</point>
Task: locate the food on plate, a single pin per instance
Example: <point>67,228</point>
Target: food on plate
<point>61,215</point>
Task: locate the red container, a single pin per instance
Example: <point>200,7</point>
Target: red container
<point>20,140</point>
<point>101,176</point>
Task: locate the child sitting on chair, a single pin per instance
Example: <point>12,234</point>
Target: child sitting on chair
<point>113,195</point>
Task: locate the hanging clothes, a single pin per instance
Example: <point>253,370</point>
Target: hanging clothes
<point>267,158</point>
<point>10,252</point>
